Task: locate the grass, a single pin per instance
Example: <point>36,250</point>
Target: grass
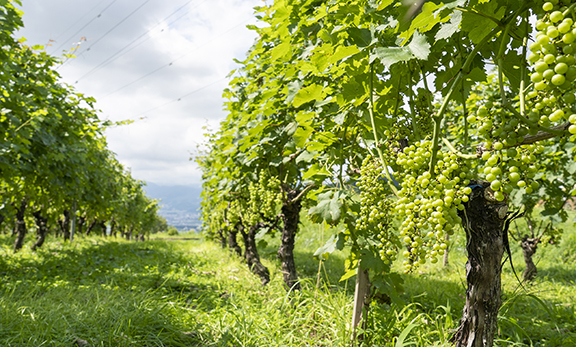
<point>111,292</point>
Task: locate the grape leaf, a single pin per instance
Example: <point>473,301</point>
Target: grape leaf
<point>478,27</point>
<point>362,38</point>
<point>448,29</point>
<point>307,94</point>
<point>419,46</point>
<point>391,55</point>
<point>328,248</point>
<point>328,208</point>
<point>281,50</point>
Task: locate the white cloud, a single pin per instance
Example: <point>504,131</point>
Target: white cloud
<point>200,46</point>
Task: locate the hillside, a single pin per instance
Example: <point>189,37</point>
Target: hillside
<point>179,204</point>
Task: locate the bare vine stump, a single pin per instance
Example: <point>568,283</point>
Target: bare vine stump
<point>221,238</point>
<point>103,228</point>
<point>20,226</point>
<point>42,225</point>
<point>483,220</point>
<point>65,225</point>
<point>529,247</point>
<point>290,218</point>
<point>251,253</point>
<point>232,240</point>
<point>91,226</point>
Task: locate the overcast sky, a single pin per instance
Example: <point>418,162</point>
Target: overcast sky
<point>162,63</point>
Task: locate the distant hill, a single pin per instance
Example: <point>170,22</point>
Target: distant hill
<point>179,204</point>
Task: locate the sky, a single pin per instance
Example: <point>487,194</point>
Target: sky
<point>161,63</point>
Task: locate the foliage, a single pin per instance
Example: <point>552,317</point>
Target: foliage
<point>172,231</point>
<point>441,95</point>
<point>53,155</point>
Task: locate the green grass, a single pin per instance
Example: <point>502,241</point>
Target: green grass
<point>110,292</point>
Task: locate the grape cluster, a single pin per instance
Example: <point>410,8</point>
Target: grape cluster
<point>264,198</point>
<point>506,165</point>
<point>551,102</point>
<point>375,208</point>
<point>424,111</point>
<point>553,58</point>
<point>429,203</point>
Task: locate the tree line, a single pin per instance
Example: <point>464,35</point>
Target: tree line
<point>55,168</point>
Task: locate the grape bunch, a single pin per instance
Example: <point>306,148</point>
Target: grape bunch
<point>264,198</point>
<point>424,111</point>
<point>551,102</point>
<point>506,165</point>
<point>376,208</point>
<point>429,203</point>
<point>553,59</point>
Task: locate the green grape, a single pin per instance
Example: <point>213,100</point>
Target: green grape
<point>556,16</point>
<point>376,208</point>
<point>429,211</point>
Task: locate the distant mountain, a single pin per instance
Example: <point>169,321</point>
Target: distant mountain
<point>179,204</point>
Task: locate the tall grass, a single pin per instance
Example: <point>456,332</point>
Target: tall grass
<point>100,292</point>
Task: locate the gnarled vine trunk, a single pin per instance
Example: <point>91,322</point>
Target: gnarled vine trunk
<point>103,228</point>
<point>65,225</point>
<point>251,253</point>
<point>128,235</point>
<point>42,231</point>
<point>232,240</point>
<point>483,220</point>
<point>91,226</point>
<point>81,222</point>
<point>20,226</point>
<point>529,247</point>
<point>290,218</point>
<point>112,227</point>
<point>222,238</point>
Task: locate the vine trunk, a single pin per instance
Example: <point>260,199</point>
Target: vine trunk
<point>483,220</point>
<point>20,225</point>
<point>42,229</point>
<point>232,240</point>
<point>529,247</point>
<point>251,253</point>
<point>290,218</point>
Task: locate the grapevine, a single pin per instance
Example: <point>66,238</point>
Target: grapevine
<point>376,208</point>
<point>264,197</point>
<point>429,203</point>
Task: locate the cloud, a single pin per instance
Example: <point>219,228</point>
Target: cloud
<point>172,76</point>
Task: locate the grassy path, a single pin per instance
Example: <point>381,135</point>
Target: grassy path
<point>99,292</point>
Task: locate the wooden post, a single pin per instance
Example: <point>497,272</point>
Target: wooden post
<point>73,222</point>
<point>361,301</point>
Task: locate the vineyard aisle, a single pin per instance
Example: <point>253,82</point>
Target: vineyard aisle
<point>190,292</point>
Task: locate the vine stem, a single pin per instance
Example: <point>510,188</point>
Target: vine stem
<point>455,151</point>
<point>440,116</point>
<point>501,64</point>
<point>571,8</point>
<point>523,70</point>
<point>554,131</point>
<point>465,116</point>
<point>415,127</point>
<point>371,112</point>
